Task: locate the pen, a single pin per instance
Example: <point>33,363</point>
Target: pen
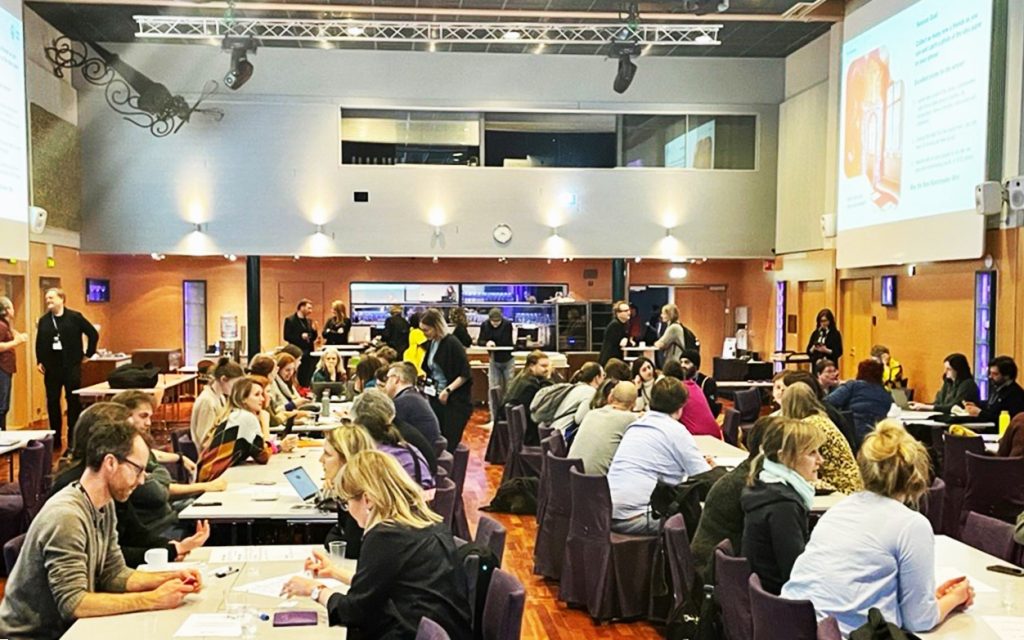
<point>226,571</point>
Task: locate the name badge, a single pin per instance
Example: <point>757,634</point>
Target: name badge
<point>430,391</point>
<point>57,346</point>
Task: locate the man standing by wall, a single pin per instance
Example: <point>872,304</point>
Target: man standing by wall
<point>300,330</point>
<point>59,356</point>
<point>616,334</point>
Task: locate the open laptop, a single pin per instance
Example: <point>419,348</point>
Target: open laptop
<point>302,483</point>
<point>336,389</point>
<point>899,396</point>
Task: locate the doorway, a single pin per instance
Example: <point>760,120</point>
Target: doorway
<point>648,301</point>
<point>702,310</point>
<point>812,300</point>
<point>855,324</point>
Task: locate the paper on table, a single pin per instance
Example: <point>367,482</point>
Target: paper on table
<point>948,573</point>
<point>1006,627</point>
<point>170,566</point>
<point>206,625</point>
<point>271,587</point>
<point>729,461</point>
<point>283,553</point>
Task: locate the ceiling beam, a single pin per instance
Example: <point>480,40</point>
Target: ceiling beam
<point>820,15</point>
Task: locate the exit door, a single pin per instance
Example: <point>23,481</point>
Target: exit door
<point>855,324</point>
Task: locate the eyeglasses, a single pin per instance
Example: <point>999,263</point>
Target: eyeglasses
<point>139,470</point>
<point>344,502</point>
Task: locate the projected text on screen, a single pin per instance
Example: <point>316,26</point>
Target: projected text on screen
<point>914,114</point>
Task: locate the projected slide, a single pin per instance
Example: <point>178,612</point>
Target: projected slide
<point>914,114</point>
<point>13,127</point>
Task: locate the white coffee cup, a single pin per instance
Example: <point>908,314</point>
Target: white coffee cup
<point>155,557</point>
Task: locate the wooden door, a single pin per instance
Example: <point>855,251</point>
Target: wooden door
<point>702,310</point>
<point>288,296</point>
<point>855,324</point>
<point>811,300</point>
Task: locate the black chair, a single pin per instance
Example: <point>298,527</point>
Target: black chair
<point>731,426</point>
<point>748,403</point>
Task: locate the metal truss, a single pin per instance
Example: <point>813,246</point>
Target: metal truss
<point>371,31</point>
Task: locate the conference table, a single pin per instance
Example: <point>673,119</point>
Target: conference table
<point>998,610</point>
<point>16,440</point>
<point>261,492</point>
<point>245,592</point>
<point>168,384</point>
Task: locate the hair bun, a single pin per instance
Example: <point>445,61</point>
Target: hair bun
<point>223,360</point>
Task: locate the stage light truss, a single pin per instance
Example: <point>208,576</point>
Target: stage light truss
<point>370,31</point>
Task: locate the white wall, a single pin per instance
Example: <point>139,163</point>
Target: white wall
<point>263,175</point>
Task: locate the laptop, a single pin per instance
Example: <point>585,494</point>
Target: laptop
<point>899,396</point>
<point>302,483</point>
<point>336,389</point>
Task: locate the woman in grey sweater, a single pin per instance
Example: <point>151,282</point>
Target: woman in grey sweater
<point>676,338</point>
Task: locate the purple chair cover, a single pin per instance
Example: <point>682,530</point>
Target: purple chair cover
<point>523,461</point>
<point>460,526</point>
<point>732,591</point>
<point>491,534</point>
<point>731,426</point>
<point>497,444</point>
<point>446,461</point>
<point>440,446</point>
<point>777,618</point>
<point>443,503</point>
<point>932,504</point>
<point>995,487</point>
<point>48,465</point>
<point>544,431</point>
<point>680,561</point>
<point>12,549</point>
<point>181,442</point>
<point>31,475</point>
<point>748,403</point>
<point>503,608</point>
<point>557,445</point>
<point>954,474</point>
<point>553,530</point>
<point>543,486</point>
<point>430,630</point>
<point>607,573</point>
<point>992,536</point>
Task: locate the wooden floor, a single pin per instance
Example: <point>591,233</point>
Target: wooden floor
<point>545,617</point>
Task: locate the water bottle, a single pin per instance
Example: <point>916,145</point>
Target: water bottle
<point>1004,422</point>
<point>325,404</point>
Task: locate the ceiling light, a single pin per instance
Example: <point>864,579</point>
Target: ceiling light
<point>355,31</point>
<point>368,258</point>
<point>704,38</point>
<point>199,227</point>
<point>554,232</point>
<point>241,69</point>
<point>637,259</point>
<point>512,35</point>
<point>157,256</point>
<point>434,260</point>
<point>624,76</point>
<point>539,48</point>
<point>677,273</point>
<point>230,257</point>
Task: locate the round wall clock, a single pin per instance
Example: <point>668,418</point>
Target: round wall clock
<point>502,234</point>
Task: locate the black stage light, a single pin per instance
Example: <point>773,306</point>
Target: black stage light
<point>624,77</point>
<point>241,69</point>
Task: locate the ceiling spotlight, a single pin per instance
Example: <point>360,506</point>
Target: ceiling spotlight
<point>704,38</point>
<point>434,260</point>
<point>355,31</point>
<point>368,258</point>
<point>295,258</point>
<point>627,70</point>
<point>637,259</point>
<point>677,273</point>
<point>241,69</point>
<point>512,35</point>
<point>230,257</point>
<point>157,256</point>
<point>199,227</point>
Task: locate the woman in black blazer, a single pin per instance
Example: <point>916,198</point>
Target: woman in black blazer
<point>447,365</point>
<point>826,341</point>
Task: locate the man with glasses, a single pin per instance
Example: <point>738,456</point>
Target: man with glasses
<point>411,407</point>
<point>616,334</point>
<point>70,565</point>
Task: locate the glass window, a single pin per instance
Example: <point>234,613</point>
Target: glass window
<point>689,141</point>
<point>410,137</point>
<point>550,140</point>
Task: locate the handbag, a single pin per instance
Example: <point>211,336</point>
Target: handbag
<point>877,628</point>
<point>132,376</point>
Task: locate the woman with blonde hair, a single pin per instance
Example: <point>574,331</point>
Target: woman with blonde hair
<point>447,366</point>
<point>340,446</point>
<point>778,499</point>
<point>407,569</point>
<point>874,549</point>
<point>337,327</point>
<point>330,367</point>
<point>838,470</point>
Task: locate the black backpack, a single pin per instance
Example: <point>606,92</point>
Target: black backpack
<point>479,563</point>
<point>133,376</point>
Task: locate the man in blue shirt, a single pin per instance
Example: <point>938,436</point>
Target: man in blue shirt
<point>410,405</point>
<point>655,447</point>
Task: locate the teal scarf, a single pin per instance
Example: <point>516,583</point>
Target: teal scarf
<point>775,472</point>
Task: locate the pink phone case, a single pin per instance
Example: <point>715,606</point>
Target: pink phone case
<point>295,619</point>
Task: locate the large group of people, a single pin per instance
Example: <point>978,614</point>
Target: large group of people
<point>638,425</point>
